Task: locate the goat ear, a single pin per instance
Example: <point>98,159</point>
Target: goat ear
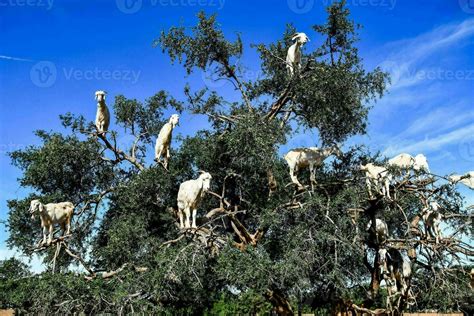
<point>41,207</point>
<point>295,36</point>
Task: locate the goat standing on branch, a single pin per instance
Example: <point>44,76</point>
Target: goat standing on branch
<point>293,57</point>
<point>421,163</point>
<point>163,142</point>
<point>407,162</point>
<point>432,220</point>
<point>50,214</point>
<point>102,118</point>
<point>313,157</point>
<point>467,179</point>
<point>378,176</point>
<point>404,162</point>
<point>381,230</point>
<point>190,195</point>
<point>395,270</point>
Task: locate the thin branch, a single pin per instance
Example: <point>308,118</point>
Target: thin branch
<point>120,154</point>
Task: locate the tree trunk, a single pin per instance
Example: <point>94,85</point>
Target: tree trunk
<point>279,302</point>
<point>375,283</point>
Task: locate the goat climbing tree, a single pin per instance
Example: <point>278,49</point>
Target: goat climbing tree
<point>289,251</point>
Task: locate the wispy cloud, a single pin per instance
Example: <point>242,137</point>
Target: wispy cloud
<point>438,38</point>
<point>440,120</point>
<point>14,58</point>
<point>405,57</point>
<point>432,144</point>
<point>435,107</point>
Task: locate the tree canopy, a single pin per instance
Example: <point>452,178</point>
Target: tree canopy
<point>253,252</point>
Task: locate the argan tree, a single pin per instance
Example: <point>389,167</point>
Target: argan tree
<point>292,250</point>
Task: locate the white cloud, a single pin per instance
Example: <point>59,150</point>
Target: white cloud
<point>406,56</point>
<point>14,58</point>
<point>440,120</point>
<point>435,110</point>
<point>432,144</point>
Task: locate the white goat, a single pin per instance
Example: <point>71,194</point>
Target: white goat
<point>396,267</point>
<point>421,163</point>
<point>432,220</point>
<point>467,179</point>
<point>381,229</point>
<point>407,162</point>
<point>102,118</point>
<point>163,142</point>
<point>50,214</point>
<point>190,195</point>
<point>378,176</point>
<point>303,157</point>
<point>402,161</point>
<point>293,57</point>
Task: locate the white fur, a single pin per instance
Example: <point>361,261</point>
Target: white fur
<point>381,229</point>
<point>432,220</point>
<point>102,118</point>
<point>407,162</point>
<point>421,163</point>
<point>395,268</point>
<point>403,161</point>
<point>377,176</point>
<point>163,141</point>
<point>467,179</point>
<point>50,214</point>
<point>303,157</point>
<point>293,57</point>
<point>190,195</point>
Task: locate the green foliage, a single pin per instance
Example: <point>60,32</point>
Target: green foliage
<point>64,166</point>
<point>253,252</point>
<point>333,88</point>
<point>144,119</point>
<point>205,46</point>
<point>245,303</point>
<point>12,269</point>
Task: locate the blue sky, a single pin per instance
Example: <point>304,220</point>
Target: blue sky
<point>54,54</point>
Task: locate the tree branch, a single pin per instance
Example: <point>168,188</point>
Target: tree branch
<point>120,154</point>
